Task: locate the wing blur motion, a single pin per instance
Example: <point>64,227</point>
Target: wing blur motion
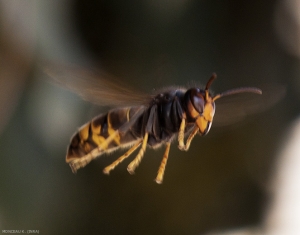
<point>232,109</point>
<point>95,86</point>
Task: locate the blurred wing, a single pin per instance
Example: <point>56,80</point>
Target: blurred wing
<point>95,86</point>
<point>231,109</point>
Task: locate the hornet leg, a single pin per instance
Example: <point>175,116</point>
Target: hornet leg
<point>190,138</point>
<point>134,164</point>
<point>162,167</point>
<point>120,159</point>
<point>181,145</point>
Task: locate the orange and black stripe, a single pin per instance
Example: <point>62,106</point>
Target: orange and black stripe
<point>102,135</point>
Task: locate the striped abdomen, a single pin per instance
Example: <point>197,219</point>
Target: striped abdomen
<point>103,135</point>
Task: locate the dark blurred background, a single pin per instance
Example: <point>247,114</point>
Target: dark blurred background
<point>224,182</point>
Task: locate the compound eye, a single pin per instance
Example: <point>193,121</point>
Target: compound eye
<point>198,102</point>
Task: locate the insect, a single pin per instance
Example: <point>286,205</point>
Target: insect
<point>172,113</point>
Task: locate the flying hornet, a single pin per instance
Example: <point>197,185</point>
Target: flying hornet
<point>139,121</point>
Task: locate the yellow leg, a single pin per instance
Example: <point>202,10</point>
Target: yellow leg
<point>181,135</point>
<point>135,163</point>
<point>189,140</point>
<point>120,159</point>
<point>162,167</point>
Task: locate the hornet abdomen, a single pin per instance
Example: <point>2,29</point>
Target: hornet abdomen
<point>103,135</point>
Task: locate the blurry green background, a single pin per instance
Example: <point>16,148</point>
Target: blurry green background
<point>221,183</point>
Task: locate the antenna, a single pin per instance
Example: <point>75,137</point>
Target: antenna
<point>208,84</point>
<point>231,91</point>
<point>237,91</point>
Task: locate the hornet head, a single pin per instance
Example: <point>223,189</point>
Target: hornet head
<point>201,104</point>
